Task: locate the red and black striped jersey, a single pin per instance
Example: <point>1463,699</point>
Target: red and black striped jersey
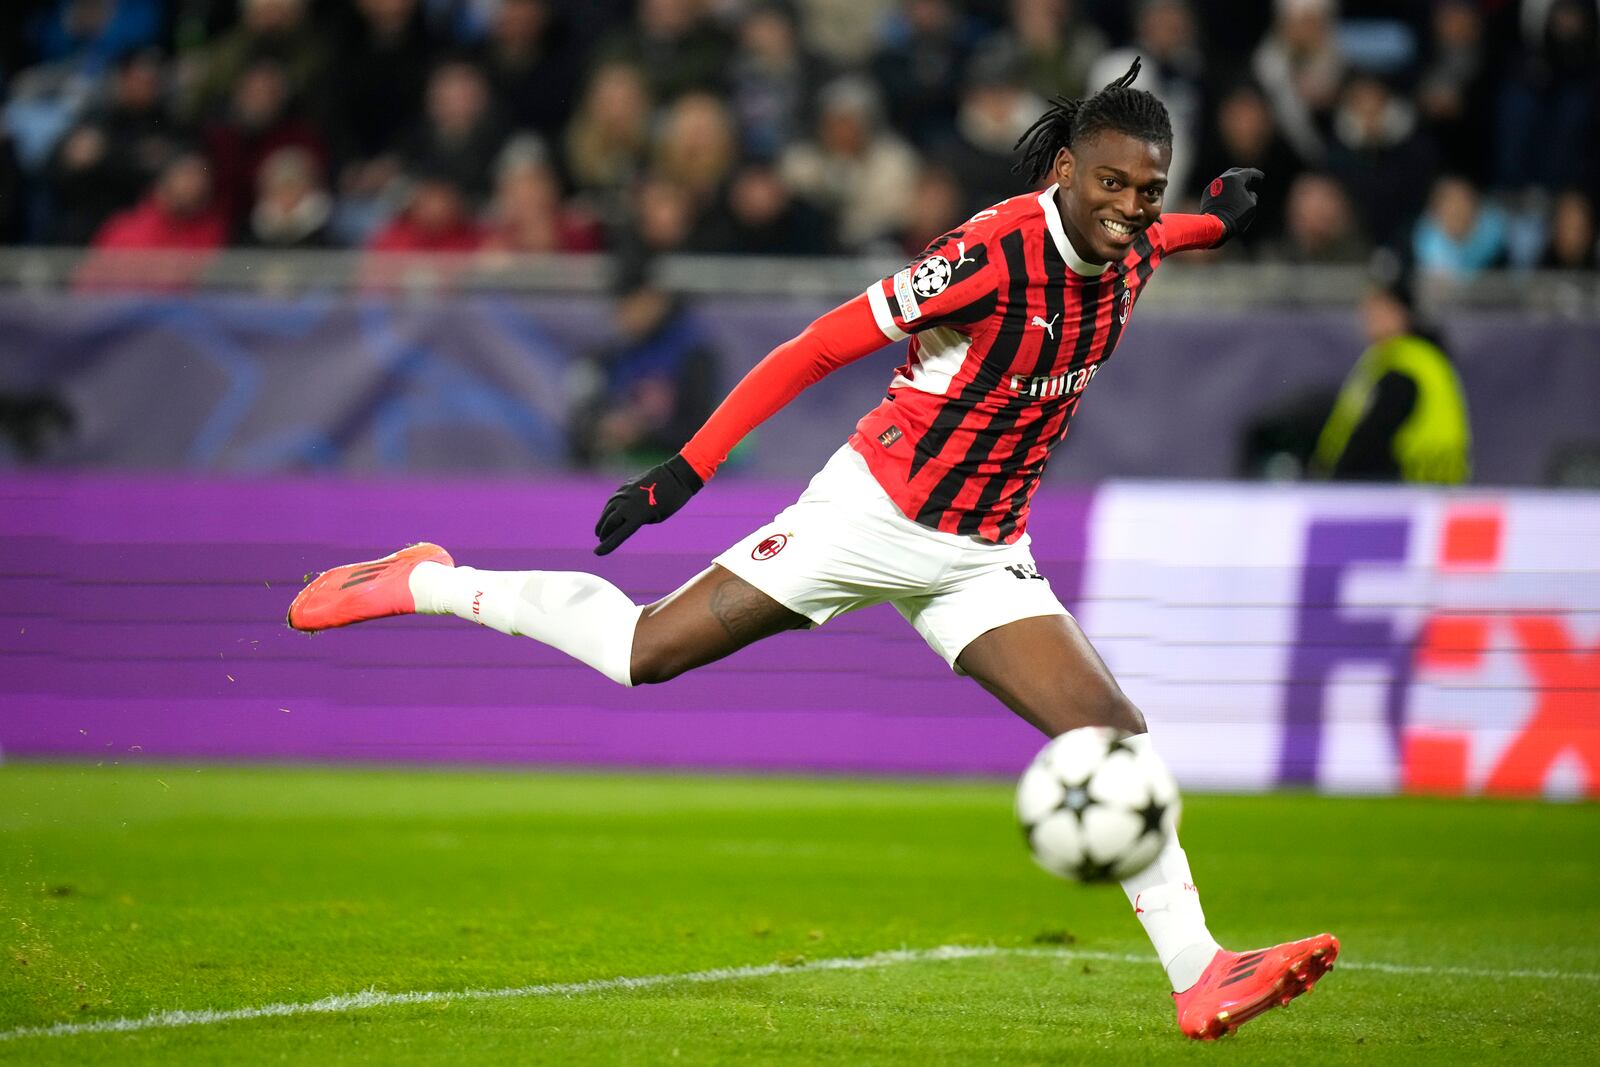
<point>1008,326</point>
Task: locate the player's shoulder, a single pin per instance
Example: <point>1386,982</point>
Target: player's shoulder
<point>952,281</point>
<point>972,240</point>
<point>996,220</point>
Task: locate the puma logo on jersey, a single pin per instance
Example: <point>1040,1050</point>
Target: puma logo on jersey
<point>1049,327</point>
<point>961,256</point>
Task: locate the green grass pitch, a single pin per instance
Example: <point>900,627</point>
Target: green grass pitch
<point>1471,929</point>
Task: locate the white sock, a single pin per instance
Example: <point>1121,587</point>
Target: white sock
<point>584,616</point>
<point>1167,903</point>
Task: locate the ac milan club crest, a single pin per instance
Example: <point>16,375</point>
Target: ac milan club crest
<point>1124,307</point>
<point>769,547</point>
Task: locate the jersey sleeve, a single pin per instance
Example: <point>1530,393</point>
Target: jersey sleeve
<point>951,284</point>
<point>842,336</point>
<point>1178,233</point>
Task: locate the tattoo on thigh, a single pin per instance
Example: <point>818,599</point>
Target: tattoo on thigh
<point>742,609</point>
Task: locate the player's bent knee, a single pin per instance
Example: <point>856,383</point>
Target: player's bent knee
<point>653,665</point>
<point>1114,710</point>
<point>1125,715</point>
<point>661,657</point>
<point>658,653</point>
<point>1130,717</point>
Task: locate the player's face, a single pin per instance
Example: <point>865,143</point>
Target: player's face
<point>1112,187</point>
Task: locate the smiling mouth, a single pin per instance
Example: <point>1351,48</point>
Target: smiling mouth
<point>1120,230</point>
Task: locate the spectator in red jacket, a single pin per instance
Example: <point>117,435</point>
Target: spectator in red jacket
<point>436,220</point>
<point>175,228</point>
<point>527,214</point>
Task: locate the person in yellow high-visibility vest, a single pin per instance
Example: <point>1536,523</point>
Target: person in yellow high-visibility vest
<point>1401,414</point>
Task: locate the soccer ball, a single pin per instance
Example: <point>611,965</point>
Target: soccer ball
<point>1094,808</point>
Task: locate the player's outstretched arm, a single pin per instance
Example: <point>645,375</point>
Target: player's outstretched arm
<point>1227,207</point>
<point>842,336</point>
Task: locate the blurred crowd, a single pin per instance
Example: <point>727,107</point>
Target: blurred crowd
<point>1460,133</point>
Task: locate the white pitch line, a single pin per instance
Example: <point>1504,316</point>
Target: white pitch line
<point>371,998</point>
<point>1473,972</point>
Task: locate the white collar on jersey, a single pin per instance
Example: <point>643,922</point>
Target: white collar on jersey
<point>1052,218</point>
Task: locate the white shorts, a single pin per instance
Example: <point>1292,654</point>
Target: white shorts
<point>845,545</point>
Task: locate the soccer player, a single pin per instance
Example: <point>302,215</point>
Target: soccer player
<point>1010,315</point>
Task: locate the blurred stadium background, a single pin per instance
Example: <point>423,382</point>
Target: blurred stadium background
<point>291,281</point>
<point>288,283</point>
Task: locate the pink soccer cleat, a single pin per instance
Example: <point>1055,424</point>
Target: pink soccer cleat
<point>357,592</point>
<point>1238,986</point>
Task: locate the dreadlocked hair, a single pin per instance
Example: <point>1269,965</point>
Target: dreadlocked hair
<point>1118,107</point>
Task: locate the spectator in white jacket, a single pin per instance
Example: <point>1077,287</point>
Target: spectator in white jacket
<point>854,167</point>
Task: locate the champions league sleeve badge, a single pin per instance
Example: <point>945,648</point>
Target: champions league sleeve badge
<point>931,277</point>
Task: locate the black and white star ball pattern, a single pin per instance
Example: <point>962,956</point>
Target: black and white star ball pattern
<point>931,277</point>
<point>1095,806</point>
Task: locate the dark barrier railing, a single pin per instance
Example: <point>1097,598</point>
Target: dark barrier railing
<point>1188,282</point>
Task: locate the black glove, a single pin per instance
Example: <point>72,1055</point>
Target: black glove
<point>651,497</point>
<point>1230,199</point>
